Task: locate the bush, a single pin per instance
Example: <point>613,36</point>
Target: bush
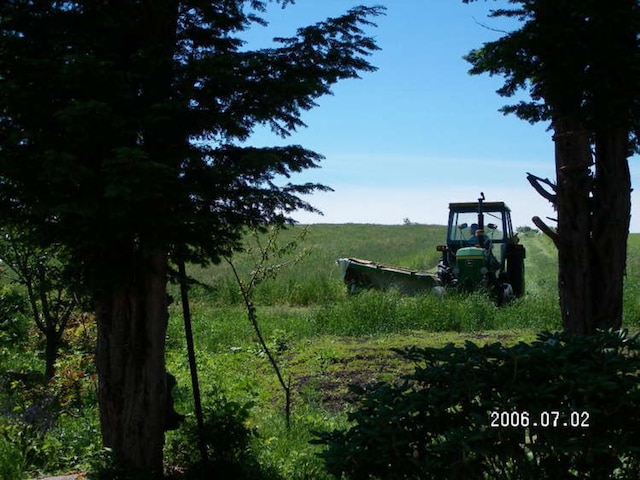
<point>445,420</point>
<point>11,460</point>
<point>227,441</point>
<point>13,315</point>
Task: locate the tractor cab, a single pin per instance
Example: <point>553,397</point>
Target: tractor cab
<point>464,229</point>
<point>482,249</point>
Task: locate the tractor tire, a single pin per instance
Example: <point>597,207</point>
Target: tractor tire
<point>515,269</point>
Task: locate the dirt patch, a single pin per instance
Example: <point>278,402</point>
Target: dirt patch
<point>322,372</point>
<point>494,338</point>
<point>329,385</point>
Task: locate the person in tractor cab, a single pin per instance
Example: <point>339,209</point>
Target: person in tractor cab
<point>473,240</point>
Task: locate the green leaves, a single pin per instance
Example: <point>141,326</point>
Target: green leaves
<point>135,132</point>
<point>563,405</point>
<point>576,59</point>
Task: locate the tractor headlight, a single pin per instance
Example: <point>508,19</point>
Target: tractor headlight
<point>484,270</point>
<point>456,271</point>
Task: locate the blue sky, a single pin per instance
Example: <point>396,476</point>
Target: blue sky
<point>404,141</point>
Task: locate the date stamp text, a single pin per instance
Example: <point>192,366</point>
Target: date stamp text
<point>544,419</point>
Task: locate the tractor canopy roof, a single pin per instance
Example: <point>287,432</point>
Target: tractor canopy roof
<point>473,207</point>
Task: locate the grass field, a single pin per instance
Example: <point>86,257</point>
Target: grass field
<point>323,339</point>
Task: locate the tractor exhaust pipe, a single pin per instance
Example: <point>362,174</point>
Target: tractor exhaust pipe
<point>480,231</point>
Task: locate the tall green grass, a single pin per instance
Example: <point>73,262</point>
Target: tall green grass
<point>316,280</point>
<point>372,313</point>
<point>309,298</point>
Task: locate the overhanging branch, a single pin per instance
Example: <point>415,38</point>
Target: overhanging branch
<point>537,183</point>
<point>547,230</point>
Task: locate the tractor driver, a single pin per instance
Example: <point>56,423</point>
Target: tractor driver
<point>473,240</point>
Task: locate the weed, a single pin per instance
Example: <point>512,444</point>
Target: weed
<point>12,461</point>
<point>289,451</point>
<point>227,439</point>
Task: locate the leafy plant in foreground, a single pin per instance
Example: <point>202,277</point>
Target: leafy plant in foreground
<point>440,421</point>
<point>227,439</point>
<point>48,427</point>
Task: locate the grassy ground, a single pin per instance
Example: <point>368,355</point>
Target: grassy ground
<point>323,339</point>
<point>326,340</point>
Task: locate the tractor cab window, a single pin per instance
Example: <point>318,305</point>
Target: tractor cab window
<point>493,226</point>
<point>464,225</point>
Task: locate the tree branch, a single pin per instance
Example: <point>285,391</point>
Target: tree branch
<point>547,230</point>
<point>488,27</point>
<point>536,182</point>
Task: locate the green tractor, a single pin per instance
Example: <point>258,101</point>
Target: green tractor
<point>477,256</point>
<point>482,250</point>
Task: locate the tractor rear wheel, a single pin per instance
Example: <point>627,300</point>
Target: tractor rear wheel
<point>515,269</point>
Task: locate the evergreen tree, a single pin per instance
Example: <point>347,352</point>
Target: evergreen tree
<point>580,62</point>
<point>121,129</point>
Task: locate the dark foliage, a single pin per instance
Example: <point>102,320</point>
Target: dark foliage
<point>124,121</point>
<point>437,423</point>
<point>577,59</point>
<point>227,440</point>
<point>121,139</point>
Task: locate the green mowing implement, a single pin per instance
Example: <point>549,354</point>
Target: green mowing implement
<point>477,256</point>
<point>358,273</point>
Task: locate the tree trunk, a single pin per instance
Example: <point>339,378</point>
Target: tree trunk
<point>593,226</point>
<point>132,324</point>
<point>574,183</point>
<point>611,214</point>
<point>52,345</point>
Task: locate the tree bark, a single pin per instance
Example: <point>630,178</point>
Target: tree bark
<point>611,215</point>
<point>132,324</point>
<point>593,225</point>
<point>52,345</point>
<point>574,183</point>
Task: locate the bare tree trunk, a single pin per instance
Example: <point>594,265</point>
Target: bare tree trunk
<point>574,183</point>
<point>132,324</point>
<point>52,345</point>
<point>611,214</point>
<point>594,210</point>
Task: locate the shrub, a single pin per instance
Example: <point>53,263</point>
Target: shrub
<point>227,440</point>
<point>445,420</point>
<point>11,460</point>
<point>48,427</point>
<point>13,315</point>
